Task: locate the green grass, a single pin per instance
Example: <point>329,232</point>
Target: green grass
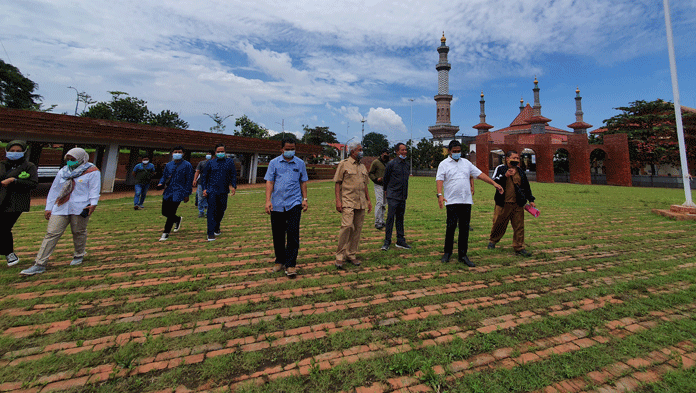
<point>597,240</point>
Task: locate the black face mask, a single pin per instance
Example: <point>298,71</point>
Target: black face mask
<point>514,163</point>
<point>385,157</point>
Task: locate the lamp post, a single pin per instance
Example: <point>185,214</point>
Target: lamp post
<point>77,100</point>
<point>411,99</point>
<point>362,141</point>
<point>345,148</point>
<point>282,125</point>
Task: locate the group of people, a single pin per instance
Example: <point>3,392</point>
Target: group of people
<point>74,195</point>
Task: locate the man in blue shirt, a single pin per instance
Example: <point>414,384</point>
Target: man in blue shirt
<point>177,178</point>
<point>142,173</point>
<point>216,178</point>
<point>286,199</point>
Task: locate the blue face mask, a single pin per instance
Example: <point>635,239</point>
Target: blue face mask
<point>208,156</point>
<point>71,163</point>
<point>289,153</point>
<point>220,155</point>
<point>402,157</point>
<point>14,155</point>
<point>177,156</point>
<point>456,156</point>
<point>361,155</point>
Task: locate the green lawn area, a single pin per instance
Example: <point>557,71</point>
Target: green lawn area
<point>605,302</point>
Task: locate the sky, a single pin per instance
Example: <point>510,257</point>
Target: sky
<point>317,63</point>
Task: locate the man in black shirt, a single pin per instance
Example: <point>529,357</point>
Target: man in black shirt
<point>396,189</point>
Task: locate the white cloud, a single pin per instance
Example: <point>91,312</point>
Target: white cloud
<point>385,120</point>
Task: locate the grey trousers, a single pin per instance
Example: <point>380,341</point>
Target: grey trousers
<point>380,206</point>
<point>54,230</point>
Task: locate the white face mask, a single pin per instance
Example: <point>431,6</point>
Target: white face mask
<point>145,162</point>
<point>208,156</point>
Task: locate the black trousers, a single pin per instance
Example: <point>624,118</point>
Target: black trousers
<point>395,213</point>
<point>282,223</point>
<point>7,221</point>
<point>458,214</point>
<point>217,204</point>
<point>169,210</point>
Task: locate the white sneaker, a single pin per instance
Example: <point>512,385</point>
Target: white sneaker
<point>12,259</point>
<point>211,239</point>
<point>177,226</point>
<point>164,237</point>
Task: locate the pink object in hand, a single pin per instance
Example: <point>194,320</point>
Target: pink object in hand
<point>532,210</point>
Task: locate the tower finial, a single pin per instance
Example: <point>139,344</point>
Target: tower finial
<point>577,91</point>
<point>535,80</point>
<point>443,39</point>
<point>481,93</point>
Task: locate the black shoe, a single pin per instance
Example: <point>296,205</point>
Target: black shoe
<point>465,260</point>
<point>523,253</point>
<point>403,245</point>
<point>491,245</point>
<point>385,247</point>
<point>445,257</point>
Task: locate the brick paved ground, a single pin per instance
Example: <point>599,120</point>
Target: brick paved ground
<point>589,312</point>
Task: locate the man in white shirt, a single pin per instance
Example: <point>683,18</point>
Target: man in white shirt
<point>454,173</point>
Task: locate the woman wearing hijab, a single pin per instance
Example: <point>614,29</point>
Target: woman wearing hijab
<point>18,177</point>
<point>71,200</point>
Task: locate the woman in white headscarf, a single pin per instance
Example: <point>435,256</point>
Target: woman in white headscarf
<point>71,200</point>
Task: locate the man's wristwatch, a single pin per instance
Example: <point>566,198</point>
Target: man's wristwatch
<point>304,199</point>
<point>439,195</point>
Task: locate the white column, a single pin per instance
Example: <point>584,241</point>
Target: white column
<point>253,168</point>
<point>109,166</point>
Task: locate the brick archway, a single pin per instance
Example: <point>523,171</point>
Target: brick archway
<point>578,147</point>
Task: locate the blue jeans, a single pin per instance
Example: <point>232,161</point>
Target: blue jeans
<point>140,194</point>
<point>202,202</point>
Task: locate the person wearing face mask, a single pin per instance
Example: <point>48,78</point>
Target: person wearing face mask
<point>352,198</point>
<point>71,200</point>
<point>509,206</point>
<point>201,202</point>
<point>18,177</point>
<point>376,174</point>
<point>286,199</point>
<point>216,178</point>
<point>177,178</point>
<point>455,174</point>
<point>142,173</point>
<point>395,181</point>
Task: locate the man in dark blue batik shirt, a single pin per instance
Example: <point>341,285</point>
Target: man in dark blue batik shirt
<point>216,178</point>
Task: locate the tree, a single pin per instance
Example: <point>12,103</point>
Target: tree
<point>219,127</point>
<point>373,143</point>
<point>128,109</point>
<point>131,110</point>
<point>249,129</point>
<point>317,135</point>
<point>170,119</point>
<point>16,90</point>
<point>426,154</point>
<point>652,133</point>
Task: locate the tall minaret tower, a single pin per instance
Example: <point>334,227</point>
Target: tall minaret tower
<point>482,126</point>
<point>443,130</point>
<point>579,127</point>
<point>537,121</point>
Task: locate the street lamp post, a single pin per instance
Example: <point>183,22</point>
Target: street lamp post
<point>362,141</point>
<point>345,148</point>
<point>282,125</point>
<point>77,100</point>
<point>411,99</point>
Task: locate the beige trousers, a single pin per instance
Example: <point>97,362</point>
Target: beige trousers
<point>54,230</point>
<point>349,234</point>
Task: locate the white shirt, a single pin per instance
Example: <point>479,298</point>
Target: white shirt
<point>455,175</point>
<point>86,192</point>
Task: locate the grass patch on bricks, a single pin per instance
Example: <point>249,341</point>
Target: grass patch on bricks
<point>581,227</point>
